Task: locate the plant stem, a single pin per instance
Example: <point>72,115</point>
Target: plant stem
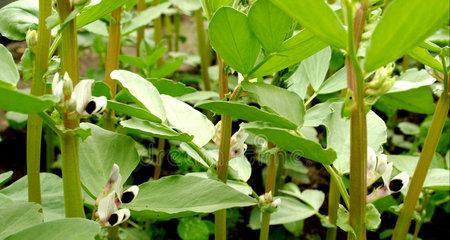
<point>49,148</point>
<point>429,147</point>
<point>224,153</point>
<point>112,61</point>
<point>202,49</point>
<point>333,205</point>
<point>358,127</point>
<point>159,158</point>
<point>34,124</point>
<point>168,28</point>
<point>339,184</point>
<point>157,27</point>
<point>73,202</point>
<point>141,6</point>
<point>422,209</point>
<point>176,23</point>
<point>270,187</point>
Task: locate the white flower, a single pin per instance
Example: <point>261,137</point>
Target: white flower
<point>110,200</point>
<point>81,96</point>
<point>237,141</point>
<point>62,87</point>
<point>376,166</point>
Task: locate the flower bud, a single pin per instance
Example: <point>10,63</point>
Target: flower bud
<point>68,86</point>
<point>31,39</point>
<point>268,204</point>
<point>58,87</point>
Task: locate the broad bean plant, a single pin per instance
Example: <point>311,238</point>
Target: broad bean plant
<point>273,119</point>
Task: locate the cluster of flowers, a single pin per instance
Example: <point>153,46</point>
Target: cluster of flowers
<point>268,203</point>
<point>79,99</point>
<point>377,166</point>
<point>110,200</point>
<point>237,141</point>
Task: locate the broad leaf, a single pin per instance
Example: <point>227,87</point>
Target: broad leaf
<point>5,177</point>
<point>245,112</point>
<point>418,100</point>
<point>92,13</point>
<point>211,6</point>
<point>186,119</point>
<point>404,24</point>
<point>292,51</point>
<point>171,87</point>
<point>145,17</point>
<point>233,40</point>
<point>13,100</point>
<point>318,114</point>
<point>315,68</point>
<point>318,17</point>
<point>132,111</point>
<point>281,101</point>
<point>193,228</point>
<point>142,91</point>
<point>184,195</point>
<point>8,69</point>
<point>438,179</point>
<point>336,82</point>
<point>292,142</point>
<point>51,191</point>
<point>186,6</point>
<point>137,126</point>
<point>422,55</point>
<point>270,25</point>
<point>67,229</point>
<point>18,216</point>
<point>17,18</point>
<point>411,79</point>
<point>290,210</point>
<point>99,152</point>
<point>338,135</point>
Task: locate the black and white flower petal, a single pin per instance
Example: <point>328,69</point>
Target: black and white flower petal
<point>130,194</point>
<point>82,95</point>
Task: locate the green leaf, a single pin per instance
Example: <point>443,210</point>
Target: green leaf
<point>67,229</point>
<point>142,91</point>
<point>211,6</point>
<point>292,51</point>
<point>422,55</point>
<point>292,142</point>
<point>193,228</point>
<point>4,177</point>
<point>338,135</point>
<point>245,112</point>
<point>411,79</point>
<point>185,195</point>
<point>10,99</point>
<point>51,191</point>
<point>92,13</point>
<point>145,17</point>
<point>186,6</point>
<point>438,179</point>
<point>167,68</point>
<point>233,40</point>
<point>183,117</point>
<point>8,69</point>
<point>409,128</point>
<point>17,18</point>
<point>373,217</point>
<point>269,24</point>
<point>155,130</point>
<point>318,114</point>
<point>336,82</point>
<point>404,24</point>
<point>281,101</point>
<point>18,216</point>
<point>132,111</point>
<point>408,163</point>
<point>290,210</point>
<point>418,100</point>
<point>198,96</point>
<point>99,152</point>
<point>171,87</point>
<point>315,68</point>
<point>318,17</point>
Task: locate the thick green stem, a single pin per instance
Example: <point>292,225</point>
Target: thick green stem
<point>34,125</point>
<point>49,148</point>
<point>176,26</point>
<point>429,147</point>
<point>270,187</point>
<point>157,27</point>
<point>202,49</point>
<point>112,61</point>
<point>73,202</point>
<point>224,154</point>
<point>168,28</point>
<point>358,127</point>
<point>141,6</point>
<point>73,199</point>
<point>333,205</point>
